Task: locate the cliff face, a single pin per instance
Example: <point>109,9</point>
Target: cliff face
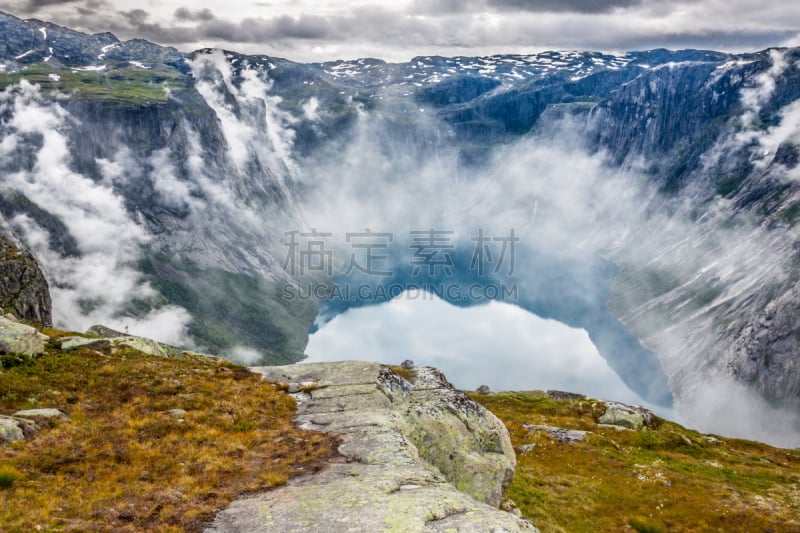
<point>23,288</point>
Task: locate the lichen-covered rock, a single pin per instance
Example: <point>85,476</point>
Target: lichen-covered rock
<point>468,444</point>
<point>626,416</point>
<point>569,436</point>
<point>73,343</point>
<point>384,480</point>
<point>13,428</point>
<point>41,414</point>
<point>23,287</point>
<point>141,344</point>
<point>10,430</point>
<point>21,338</point>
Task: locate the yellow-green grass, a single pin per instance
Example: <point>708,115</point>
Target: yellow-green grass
<point>665,479</point>
<point>123,464</point>
<point>409,374</point>
<point>122,85</point>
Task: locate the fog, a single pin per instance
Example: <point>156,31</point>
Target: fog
<point>96,286</point>
<point>400,169</point>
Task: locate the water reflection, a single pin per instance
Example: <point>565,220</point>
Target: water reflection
<point>495,344</point>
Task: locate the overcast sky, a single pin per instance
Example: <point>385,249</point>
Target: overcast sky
<point>315,30</point>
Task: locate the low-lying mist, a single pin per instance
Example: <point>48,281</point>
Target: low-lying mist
<point>653,279</point>
<point>564,198</point>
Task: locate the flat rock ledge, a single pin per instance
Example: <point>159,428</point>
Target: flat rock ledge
<point>413,458</point>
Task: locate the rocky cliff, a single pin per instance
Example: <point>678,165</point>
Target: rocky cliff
<point>23,288</point>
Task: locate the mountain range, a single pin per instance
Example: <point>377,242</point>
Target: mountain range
<point>655,194</point>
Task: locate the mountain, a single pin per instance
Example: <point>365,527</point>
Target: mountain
<point>656,195</point>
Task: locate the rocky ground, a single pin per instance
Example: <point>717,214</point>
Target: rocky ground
<point>102,431</point>
<point>420,457</point>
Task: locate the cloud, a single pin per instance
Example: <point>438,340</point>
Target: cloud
<point>579,6</point>
<point>101,283</point>
<point>536,6</point>
<point>184,13</point>
<point>32,6</point>
<point>474,27</point>
<point>244,355</point>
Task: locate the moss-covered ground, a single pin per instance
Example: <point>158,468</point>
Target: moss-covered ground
<point>122,85</point>
<point>663,479</point>
<point>123,463</point>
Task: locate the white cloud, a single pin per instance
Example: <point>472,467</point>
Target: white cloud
<point>96,286</point>
<point>344,30</point>
<point>244,355</point>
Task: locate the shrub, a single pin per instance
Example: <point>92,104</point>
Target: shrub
<point>641,527</point>
<point>8,475</point>
<point>10,360</point>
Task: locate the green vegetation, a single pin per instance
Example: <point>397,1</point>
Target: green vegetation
<point>728,186</point>
<point>10,360</point>
<point>407,374</point>
<point>666,478</point>
<point>232,309</point>
<point>124,462</point>
<point>8,475</point>
<point>124,85</point>
<point>791,214</point>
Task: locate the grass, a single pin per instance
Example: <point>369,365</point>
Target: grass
<point>408,374</point>
<point>122,463</point>
<point>662,479</point>
<point>125,85</point>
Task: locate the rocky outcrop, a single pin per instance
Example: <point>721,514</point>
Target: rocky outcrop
<point>414,458</point>
<point>19,338</point>
<point>626,416</point>
<point>25,424</point>
<point>11,430</point>
<point>23,287</point>
<point>107,340</point>
<point>562,435</point>
<point>143,345</point>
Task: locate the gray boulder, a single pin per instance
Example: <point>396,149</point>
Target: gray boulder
<point>626,416</point>
<point>73,343</point>
<point>14,429</point>
<point>569,436</point>
<point>141,344</point>
<point>10,430</point>
<point>47,414</point>
<point>20,338</point>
